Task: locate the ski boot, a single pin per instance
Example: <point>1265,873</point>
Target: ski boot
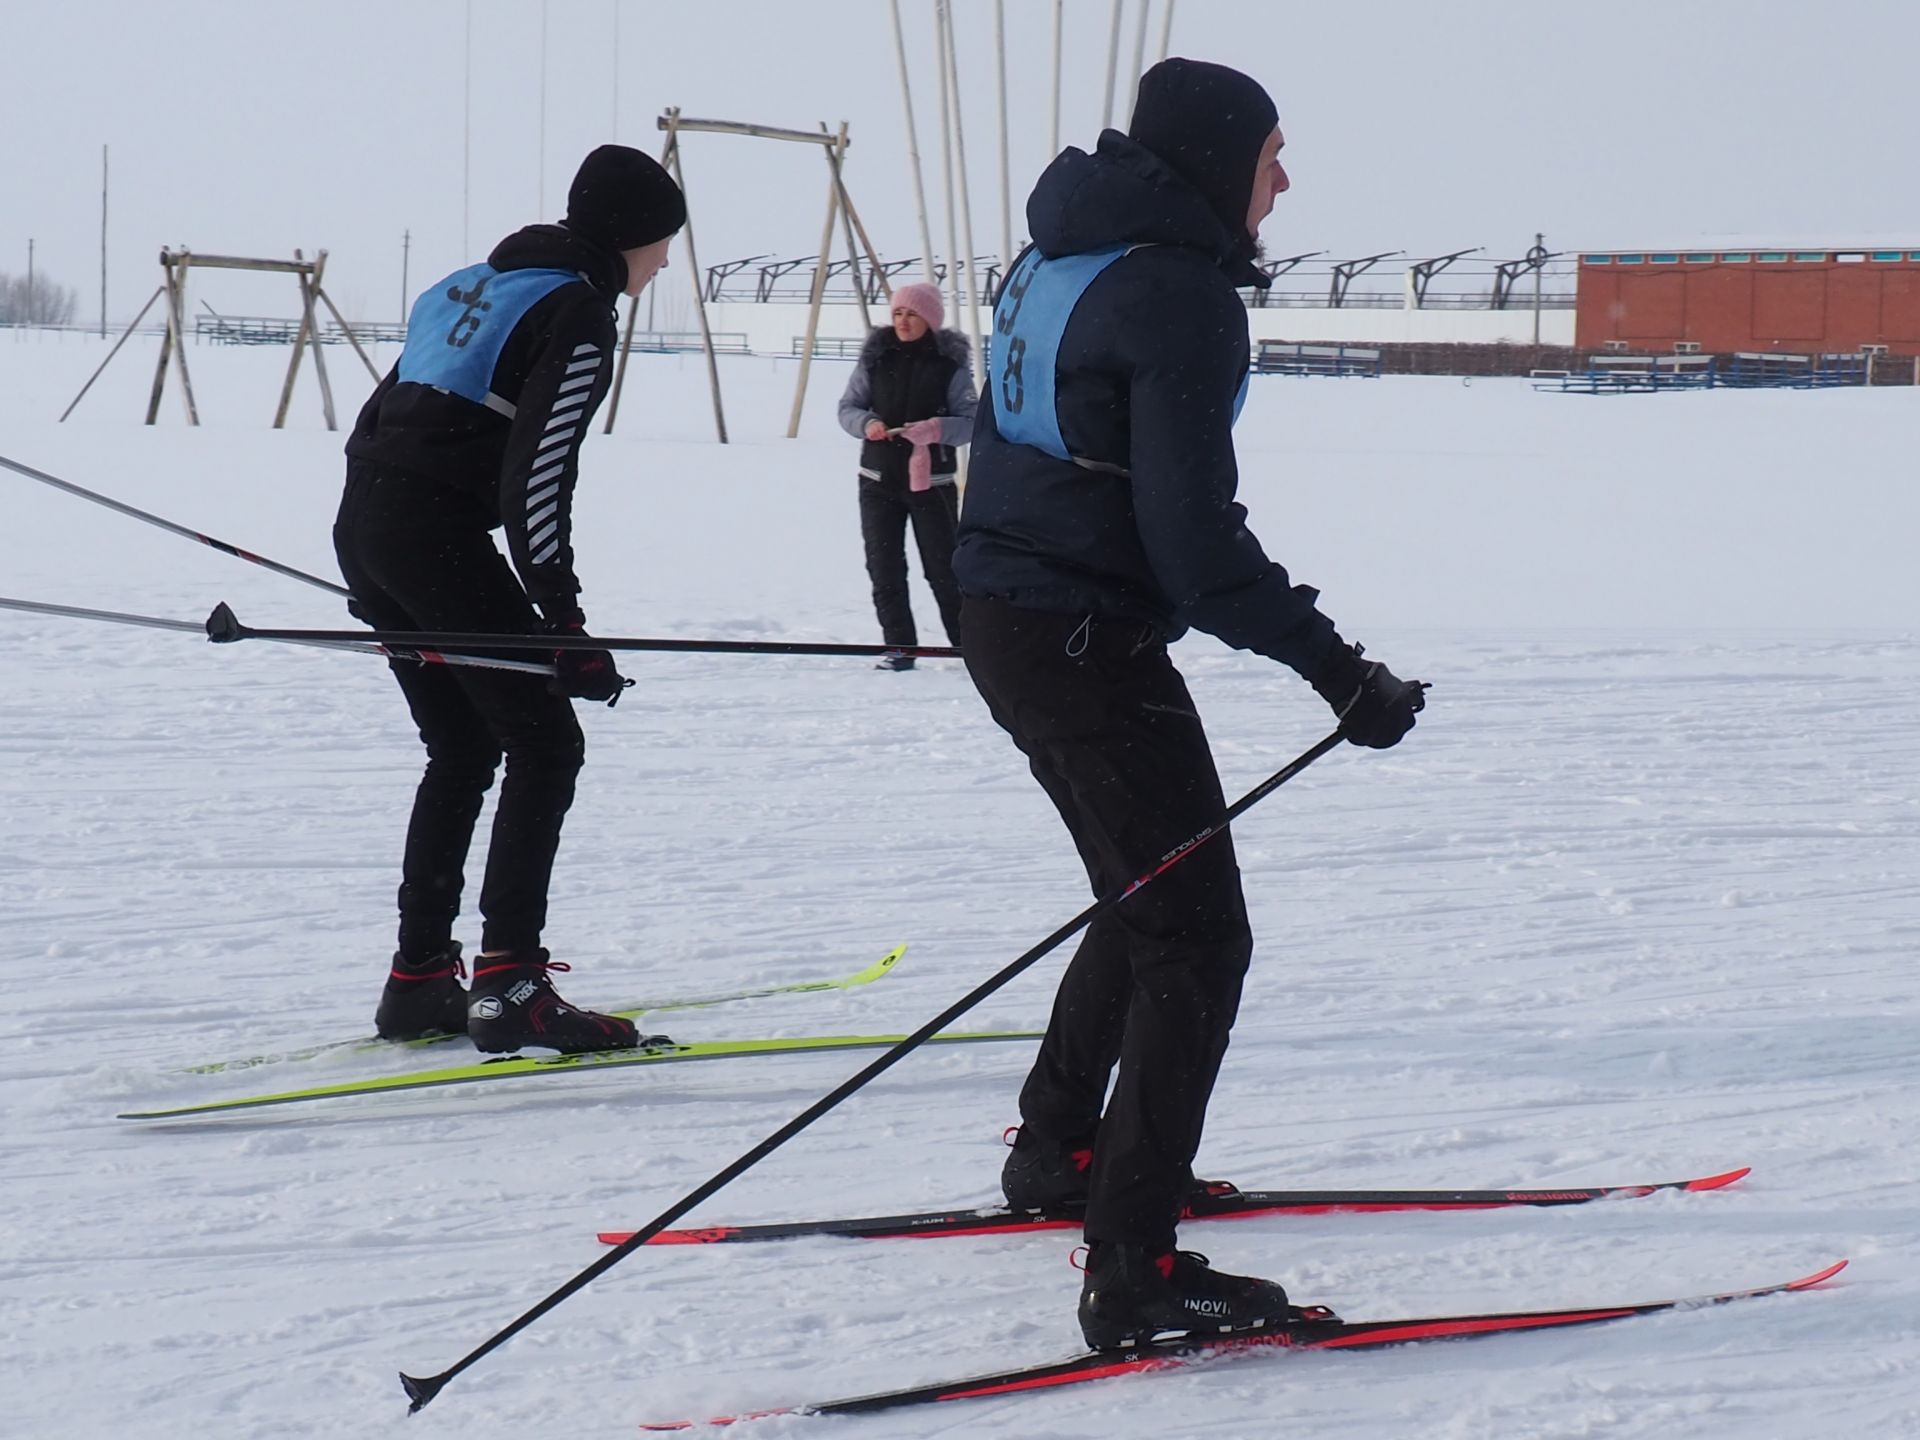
<point>894,660</point>
<point>423,997</point>
<point>513,1006</point>
<point>1130,1295</point>
<point>1055,1176</point>
<point>1050,1175</point>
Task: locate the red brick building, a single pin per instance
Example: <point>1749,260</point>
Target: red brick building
<point>1804,302</point>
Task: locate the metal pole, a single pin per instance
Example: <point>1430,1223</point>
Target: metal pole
<point>103,242</point>
<point>1053,131</point>
<point>1139,52</point>
<point>966,204</point>
<point>1539,264</point>
<point>542,208</point>
<point>1166,30</point>
<point>946,151</point>
<point>1113,66</point>
<point>406,251</point>
<point>1006,183</point>
<point>913,142</point>
<point>31,319</point>
<point>466,144</point>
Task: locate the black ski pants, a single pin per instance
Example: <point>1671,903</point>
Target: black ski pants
<point>1111,734</point>
<point>886,509</point>
<point>419,556</point>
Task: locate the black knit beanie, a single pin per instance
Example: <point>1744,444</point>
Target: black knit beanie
<point>624,199</point>
<point>1208,123</point>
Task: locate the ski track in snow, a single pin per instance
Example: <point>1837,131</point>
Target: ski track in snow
<point>1636,901</point>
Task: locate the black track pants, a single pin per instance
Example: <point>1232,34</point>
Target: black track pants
<point>1111,734</point>
<point>886,508</point>
<point>418,556</point>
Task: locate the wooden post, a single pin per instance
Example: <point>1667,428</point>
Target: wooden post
<point>347,330</point>
<point>873,255</point>
<point>846,223</point>
<point>620,366</point>
<point>185,260</point>
<point>308,285</point>
<point>699,288</point>
<point>293,365</point>
<point>113,352</point>
<point>819,282</point>
<point>166,342</point>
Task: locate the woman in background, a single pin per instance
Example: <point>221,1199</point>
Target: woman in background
<point>911,402</point>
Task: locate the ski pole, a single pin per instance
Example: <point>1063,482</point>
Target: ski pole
<point>366,647</point>
<point>421,1389</point>
<point>168,525</point>
<point>224,627</point>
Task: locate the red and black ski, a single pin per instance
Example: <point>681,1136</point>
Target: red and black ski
<point>1321,1330</point>
<point>1223,1202</point>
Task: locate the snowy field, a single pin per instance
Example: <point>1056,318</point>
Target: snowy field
<point>1636,901</point>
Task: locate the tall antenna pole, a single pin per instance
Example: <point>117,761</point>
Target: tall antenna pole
<point>966,204</point>
<point>406,254</point>
<point>1053,133</point>
<point>913,142</point>
<point>1139,54</point>
<point>615,132</point>
<point>103,242</point>
<point>466,144</point>
<point>1113,65</point>
<point>946,153</point>
<point>1006,183</point>
<point>1166,30</point>
<point>541,210</point>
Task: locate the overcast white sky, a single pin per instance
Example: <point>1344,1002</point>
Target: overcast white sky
<point>247,127</point>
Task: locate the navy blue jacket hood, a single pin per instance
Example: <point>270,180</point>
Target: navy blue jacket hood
<point>555,247</point>
<point>1124,194</point>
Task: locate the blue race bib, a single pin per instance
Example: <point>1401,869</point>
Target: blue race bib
<point>459,327</point>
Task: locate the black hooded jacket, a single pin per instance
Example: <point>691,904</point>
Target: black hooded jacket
<point>513,461</point>
<point>1145,525</point>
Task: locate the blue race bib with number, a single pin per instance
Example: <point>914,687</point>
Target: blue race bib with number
<point>1029,321</point>
<point>459,327</point>
<point>1035,305</point>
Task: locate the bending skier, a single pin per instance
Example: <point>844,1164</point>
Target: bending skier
<point>478,428</point>
<point>1100,523</point>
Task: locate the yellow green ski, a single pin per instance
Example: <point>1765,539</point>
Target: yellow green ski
<point>880,968</point>
<point>513,1067</point>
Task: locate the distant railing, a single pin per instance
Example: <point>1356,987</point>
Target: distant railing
<point>1278,358</point>
<point>272,330</point>
<point>674,342</point>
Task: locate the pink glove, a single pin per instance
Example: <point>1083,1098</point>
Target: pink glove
<point>920,469</point>
<point>922,432</point>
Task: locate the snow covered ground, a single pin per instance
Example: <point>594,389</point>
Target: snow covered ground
<point>1637,900</point>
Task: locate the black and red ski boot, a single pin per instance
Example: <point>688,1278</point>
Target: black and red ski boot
<point>1042,1174</point>
<point>1130,1295</point>
<point>1056,1175</point>
<point>513,1006</point>
<point>423,996</point>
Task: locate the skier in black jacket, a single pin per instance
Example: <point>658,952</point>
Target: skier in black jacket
<point>1100,523</point>
<point>478,428</point>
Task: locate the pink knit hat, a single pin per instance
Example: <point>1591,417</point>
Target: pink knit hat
<point>923,300</point>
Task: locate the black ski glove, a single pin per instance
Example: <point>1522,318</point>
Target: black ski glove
<point>583,674</point>
<point>1375,707</point>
